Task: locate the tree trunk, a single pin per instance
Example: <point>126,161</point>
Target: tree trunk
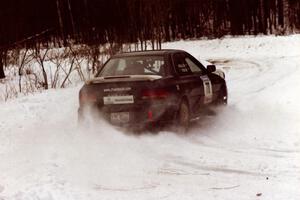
<point>280,13</point>
<point>2,75</point>
<point>60,20</point>
<point>71,17</point>
<point>286,15</point>
<point>262,25</point>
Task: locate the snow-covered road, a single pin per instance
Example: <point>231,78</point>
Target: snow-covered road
<point>249,150</point>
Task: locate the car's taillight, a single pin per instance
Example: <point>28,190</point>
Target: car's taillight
<point>87,98</point>
<point>150,115</point>
<point>154,94</point>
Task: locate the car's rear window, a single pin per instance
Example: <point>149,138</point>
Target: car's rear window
<point>139,65</point>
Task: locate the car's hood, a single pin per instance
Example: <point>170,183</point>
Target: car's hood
<point>220,73</point>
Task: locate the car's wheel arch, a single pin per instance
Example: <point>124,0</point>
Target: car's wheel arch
<point>224,87</point>
<point>182,99</point>
<point>222,92</point>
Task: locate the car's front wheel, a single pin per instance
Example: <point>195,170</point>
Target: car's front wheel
<point>222,97</point>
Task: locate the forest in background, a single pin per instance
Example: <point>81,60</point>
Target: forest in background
<point>36,25</point>
<point>102,21</point>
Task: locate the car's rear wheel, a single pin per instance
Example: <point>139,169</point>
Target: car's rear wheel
<point>183,118</point>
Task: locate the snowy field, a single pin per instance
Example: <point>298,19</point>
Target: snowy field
<point>249,150</point>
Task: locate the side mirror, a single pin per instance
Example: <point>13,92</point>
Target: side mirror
<point>211,68</point>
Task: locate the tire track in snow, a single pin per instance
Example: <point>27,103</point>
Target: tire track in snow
<point>259,71</point>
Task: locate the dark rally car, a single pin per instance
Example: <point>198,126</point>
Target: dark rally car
<point>152,87</point>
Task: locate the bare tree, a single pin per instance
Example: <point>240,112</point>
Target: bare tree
<point>2,75</point>
<point>40,57</point>
<point>21,66</point>
<point>71,17</point>
<point>69,72</point>
<point>60,20</point>
<point>286,15</point>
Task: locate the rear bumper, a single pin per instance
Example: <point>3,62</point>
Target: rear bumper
<point>140,116</point>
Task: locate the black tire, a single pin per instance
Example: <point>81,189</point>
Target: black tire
<point>183,117</point>
<point>222,97</point>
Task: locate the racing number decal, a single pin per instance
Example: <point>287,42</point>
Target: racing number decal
<point>208,94</point>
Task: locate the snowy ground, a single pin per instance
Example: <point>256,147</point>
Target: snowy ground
<point>250,150</point>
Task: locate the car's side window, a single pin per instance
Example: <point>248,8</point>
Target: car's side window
<point>193,66</point>
<point>180,64</point>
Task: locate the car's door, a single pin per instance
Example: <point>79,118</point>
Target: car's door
<point>211,81</point>
<point>216,82</point>
<point>207,82</point>
<point>189,82</point>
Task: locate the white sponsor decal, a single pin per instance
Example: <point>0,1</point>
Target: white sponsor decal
<point>208,93</point>
<point>128,99</point>
<point>117,89</point>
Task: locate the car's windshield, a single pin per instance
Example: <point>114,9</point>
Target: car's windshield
<point>134,65</point>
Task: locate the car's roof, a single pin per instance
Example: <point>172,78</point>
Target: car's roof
<point>148,53</point>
